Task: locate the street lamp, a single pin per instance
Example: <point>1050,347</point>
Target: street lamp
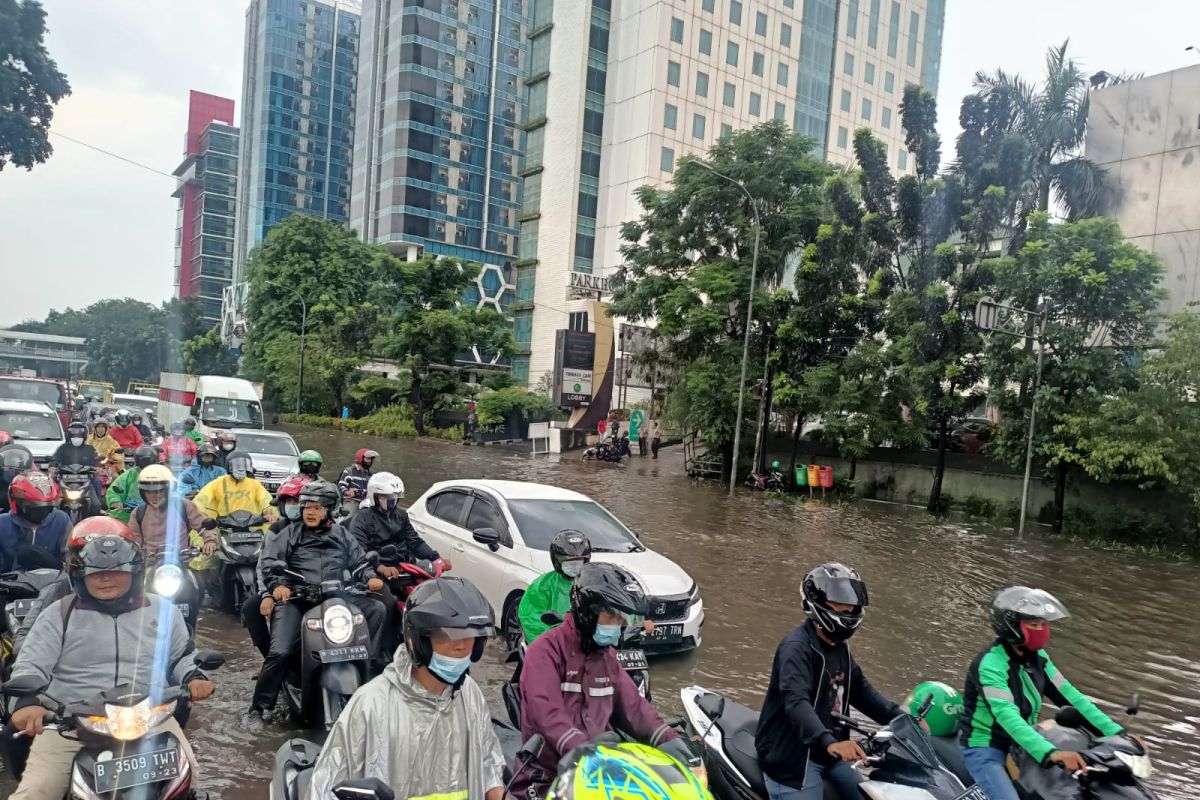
<point>737,430</point>
<point>303,325</point>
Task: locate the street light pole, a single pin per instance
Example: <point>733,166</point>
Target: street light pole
<point>1037,382</point>
<point>303,326</point>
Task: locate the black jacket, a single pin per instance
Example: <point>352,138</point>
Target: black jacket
<point>68,454</point>
<point>796,716</point>
<point>375,530</point>
<point>318,555</point>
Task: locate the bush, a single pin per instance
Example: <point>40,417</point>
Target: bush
<point>1133,526</point>
<point>494,407</point>
<point>974,505</point>
<point>393,422</point>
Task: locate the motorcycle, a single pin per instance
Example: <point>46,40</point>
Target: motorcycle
<point>772,481</point>
<point>79,493</point>
<point>18,590</point>
<point>239,541</point>
<point>611,451</point>
<point>901,763</point>
<point>168,577</point>
<point>121,756</point>
<point>412,574</point>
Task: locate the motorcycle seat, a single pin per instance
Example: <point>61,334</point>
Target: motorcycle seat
<point>738,725</point>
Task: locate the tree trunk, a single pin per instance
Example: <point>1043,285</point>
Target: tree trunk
<point>853,467</point>
<point>935,491</point>
<point>796,446</point>
<point>418,411</point>
<point>1060,494</point>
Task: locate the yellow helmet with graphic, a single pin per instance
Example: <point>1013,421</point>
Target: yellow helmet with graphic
<point>627,771</point>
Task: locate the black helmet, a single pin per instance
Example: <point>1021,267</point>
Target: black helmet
<point>834,583</point>
<point>137,418</point>
<point>145,456</point>
<point>177,429</point>
<point>605,587</point>
<point>107,554</point>
<point>239,460</point>
<point>190,423</point>
<point>77,428</point>
<point>322,492</point>
<point>206,449</point>
<point>569,545</point>
<point>449,604</point>
<point>15,459</point>
<point>1016,604</point>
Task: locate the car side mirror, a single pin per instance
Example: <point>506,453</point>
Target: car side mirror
<point>363,789</point>
<point>208,659</point>
<point>488,536</point>
<point>552,618</point>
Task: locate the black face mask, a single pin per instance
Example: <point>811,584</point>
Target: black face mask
<point>37,515</point>
<point>310,468</point>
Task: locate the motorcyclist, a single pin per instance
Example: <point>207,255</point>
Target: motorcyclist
<point>574,688</point>
<point>238,490</point>
<point>75,450</point>
<point>189,426</point>
<point>101,439</point>
<point>226,442</point>
<point>125,432</point>
<point>425,689</point>
<point>89,642</point>
<point>34,533</point>
<point>319,549</point>
<point>382,522</point>
<point>14,460</point>
<point>179,449</point>
<point>145,430</point>
<point>1005,686</point>
<point>645,772</point>
<point>287,502</point>
<point>310,463</point>
<point>202,472</point>
<point>569,551</point>
<point>799,746</point>
<point>354,478</point>
<point>123,493</point>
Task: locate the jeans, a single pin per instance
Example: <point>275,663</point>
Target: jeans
<point>841,775</point>
<point>987,767</point>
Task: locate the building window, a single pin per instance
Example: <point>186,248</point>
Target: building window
<point>698,124</point>
<point>702,84</point>
<point>735,12</point>
<point>842,137</point>
<point>709,5</point>
<point>785,35</point>
<point>673,73</point>
<point>852,19</point>
<point>845,99</point>
<point>789,3</point>
<point>869,73</point>
<point>670,116</point>
<point>848,63</point>
<point>889,82</point>
<point>706,42</point>
<point>577,321</point>
<point>780,111</point>
<point>886,118</point>
<point>914,23</point>
<point>760,23</point>
<point>676,30</point>
<point>731,54</point>
<point>755,104</point>
<point>893,29</point>
<point>757,64</point>
<point>726,129</point>
<point>781,75</point>
<point>730,96</point>
<point>666,160</point>
<point>902,159</point>
<point>873,24</point>
<point>866,109</point>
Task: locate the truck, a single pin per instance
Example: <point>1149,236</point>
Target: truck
<point>216,403</point>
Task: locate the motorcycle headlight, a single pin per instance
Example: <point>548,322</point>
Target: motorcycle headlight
<point>1138,765</point>
<point>167,580</point>
<point>127,723</point>
<point>73,495</point>
<point>338,624</point>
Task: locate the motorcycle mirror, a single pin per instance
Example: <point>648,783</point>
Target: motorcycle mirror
<point>1135,703</point>
<point>926,704</point>
<point>373,558</point>
<point>532,747</point>
<point>552,618</point>
<point>1069,717</point>
<point>363,789</point>
<point>389,551</point>
<point>208,659</point>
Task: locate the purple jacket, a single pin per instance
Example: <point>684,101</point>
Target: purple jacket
<point>570,697</point>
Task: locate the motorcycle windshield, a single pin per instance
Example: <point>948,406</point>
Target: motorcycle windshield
<point>907,734</point>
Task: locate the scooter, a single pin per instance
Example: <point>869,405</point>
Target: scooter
<point>412,574</point>
<point>18,590</point>
<point>900,764</point>
<point>169,578</point>
<point>772,481</point>
<point>239,542</point>
<point>612,451</point>
<point>121,757</point>
<point>79,493</point>
<point>335,649</point>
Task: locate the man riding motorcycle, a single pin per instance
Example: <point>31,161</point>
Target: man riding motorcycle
<point>179,449</point>
<point>75,450</point>
<point>382,523</point>
<point>569,551</point>
<point>238,490</point>
<point>87,643</point>
<point>125,432</point>
<point>189,426</point>
<point>202,472</point>
<point>319,549</point>
<point>34,533</point>
<point>226,442</point>
<point>14,460</point>
<point>1005,686</point>
<point>310,463</point>
<point>573,688</point>
<point>145,430</point>
<point>423,726</point>
<point>123,493</point>
<point>353,480</point>
<point>813,676</point>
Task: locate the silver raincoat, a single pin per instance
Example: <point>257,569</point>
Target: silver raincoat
<point>421,745</point>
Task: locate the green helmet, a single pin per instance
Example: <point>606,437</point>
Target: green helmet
<point>310,456</point>
<point>774,465</point>
<point>943,714</point>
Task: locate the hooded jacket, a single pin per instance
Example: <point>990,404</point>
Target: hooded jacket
<point>197,476</point>
<point>570,697</point>
<point>104,445</point>
<point>549,592</point>
<point>16,535</point>
<point>222,497</point>
<point>177,515</point>
<point>129,437</point>
<point>68,454</point>
<point>420,744</point>
<point>375,529</point>
<point>317,555</point>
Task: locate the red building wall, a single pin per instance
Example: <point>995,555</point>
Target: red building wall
<point>202,109</point>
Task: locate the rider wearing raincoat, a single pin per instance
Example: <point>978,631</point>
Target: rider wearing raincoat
<point>237,491</point>
<point>569,551</point>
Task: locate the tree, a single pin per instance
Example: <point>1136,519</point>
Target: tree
<point>30,84</point>
<point>126,340</point>
<point>207,354</point>
<point>1100,294</point>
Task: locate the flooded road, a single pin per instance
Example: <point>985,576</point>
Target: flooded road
<point>1134,627</point>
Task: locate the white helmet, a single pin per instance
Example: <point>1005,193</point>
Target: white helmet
<point>383,483</point>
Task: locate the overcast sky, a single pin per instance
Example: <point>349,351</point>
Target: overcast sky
<point>86,226</point>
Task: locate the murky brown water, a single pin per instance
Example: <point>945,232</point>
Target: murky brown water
<point>1134,628</point>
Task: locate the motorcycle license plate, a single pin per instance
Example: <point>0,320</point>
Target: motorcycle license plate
<point>632,659</point>
<point>974,793</point>
<point>242,537</point>
<point>355,652</point>
<point>136,770</point>
<point>666,633</point>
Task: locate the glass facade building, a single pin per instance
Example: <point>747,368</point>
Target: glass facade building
<point>298,95</point>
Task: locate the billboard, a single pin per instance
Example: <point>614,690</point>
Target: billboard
<point>574,362</point>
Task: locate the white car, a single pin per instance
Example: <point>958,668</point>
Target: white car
<point>274,454</point>
<point>497,535</point>
<point>34,426</point>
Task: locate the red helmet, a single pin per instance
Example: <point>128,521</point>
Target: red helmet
<point>365,454</point>
<point>5,438</point>
<point>31,491</point>
<point>96,527</point>
<point>291,487</point>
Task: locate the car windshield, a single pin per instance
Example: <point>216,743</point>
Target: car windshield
<point>223,412</point>
<point>31,426</point>
<point>540,520</point>
<point>138,405</point>
<point>267,445</point>
<point>33,391</point>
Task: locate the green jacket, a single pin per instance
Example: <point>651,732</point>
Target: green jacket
<point>1004,695</point>
<point>125,487</point>
<point>195,436</point>
<point>550,592</point>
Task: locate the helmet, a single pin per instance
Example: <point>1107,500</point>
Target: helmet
<point>239,461</point>
<point>190,423</point>
<point>96,427</point>
<point>944,711</point>
<point>450,604</point>
<point>834,583</point>
<point>145,456</point>
<point>76,429</point>
<point>15,458</point>
<point>291,487</point>
<point>94,528</point>
<point>136,418</point>
<point>365,455</point>
<point>605,587</point>
<point>121,417</point>
<point>569,545</point>
<point>322,492</point>
<point>310,462</point>
<point>626,770</point>
<point>107,554</point>
<point>155,478</point>
<point>33,496</point>
<point>384,483</point>
<point>206,449</point>
<point>775,465</point>
<point>7,439</point>
<point>177,429</point>
<point>1016,604</point>
<point>226,438</point>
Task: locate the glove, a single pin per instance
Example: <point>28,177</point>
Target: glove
<point>209,525</point>
<point>133,503</point>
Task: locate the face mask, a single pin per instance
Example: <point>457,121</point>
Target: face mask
<point>607,635</point>
<point>390,505</point>
<point>1035,639</point>
<point>38,515</point>
<point>572,568</point>
<point>448,669</point>
<point>227,447</point>
<point>239,474</point>
<point>76,441</point>
<point>291,512</point>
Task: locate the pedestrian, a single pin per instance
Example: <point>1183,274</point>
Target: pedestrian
<point>601,427</point>
<point>471,424</point>
<point>643,445</point>
<point>655,438</point>
<point>345,412</point>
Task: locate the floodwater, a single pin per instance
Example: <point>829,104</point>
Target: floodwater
<point>1133,628</point>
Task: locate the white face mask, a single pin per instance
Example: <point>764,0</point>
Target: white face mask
<point>572,568</point>
<point>76,441</point>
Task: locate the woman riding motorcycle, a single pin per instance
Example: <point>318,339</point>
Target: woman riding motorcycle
<point>104,443</point>
<point>569,551</point>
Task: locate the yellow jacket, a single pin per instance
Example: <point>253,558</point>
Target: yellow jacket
<point>225,495</point>
<point>104,444</point>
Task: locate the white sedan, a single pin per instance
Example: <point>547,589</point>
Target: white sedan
<point>498,533</point>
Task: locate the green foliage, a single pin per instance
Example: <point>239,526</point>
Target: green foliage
<point>1121,523</point>
<point>495,407</point>
<point>207,354</point>
<point>393,422</point>
<point>30,85</point>
<point>373,393</point>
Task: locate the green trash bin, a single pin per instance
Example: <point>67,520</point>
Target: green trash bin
<point>802,476</point>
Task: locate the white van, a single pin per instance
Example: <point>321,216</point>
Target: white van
<point>215,402</point>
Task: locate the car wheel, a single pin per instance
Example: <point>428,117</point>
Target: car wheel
<point>510,623</point>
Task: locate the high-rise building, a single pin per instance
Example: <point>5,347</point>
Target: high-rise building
<point>437,142</point>
<point>298,93</point>
<point>206,187</point>
<point>618,92</point>
<point>1145,134</point>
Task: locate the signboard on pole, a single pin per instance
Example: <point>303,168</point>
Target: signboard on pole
<point>574,360</point>
<point>637,418</point>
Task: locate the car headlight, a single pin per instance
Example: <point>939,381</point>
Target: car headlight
<point>168,579</point>
<point>694,594</point>
<point>127,723</point>
<point>1138,765</point>
<point>338,624</point>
